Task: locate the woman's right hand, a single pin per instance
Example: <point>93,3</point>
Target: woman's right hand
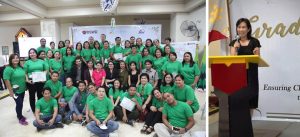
<point>236,44</point>
<point>11,94</point>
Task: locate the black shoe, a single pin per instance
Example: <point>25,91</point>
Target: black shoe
<point>130,122</point>
<point>38,129</point>
<point>59,125</point>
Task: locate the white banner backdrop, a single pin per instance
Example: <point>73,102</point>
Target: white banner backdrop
<point>82,33</point>
<point>276,23</point>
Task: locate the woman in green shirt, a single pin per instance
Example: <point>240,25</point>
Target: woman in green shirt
<point>185,93</point>
<point>146,56</point>
<point>15,81</point>
<point>86,53</point>
<point>127,49</point>
<point>156,45</point>
<point>167,84</point>
<point>190,70</point>
<point>33,64</point>
<point>144,90</point>
<point>96,52</point>
<point>78,49</point>
<point>68,61</point>
<point>55,65</point>
<point>155,114</point>
<point>167,51</point>
<point>158,62</point>
<point>173,66</point>
<point>115,94</point>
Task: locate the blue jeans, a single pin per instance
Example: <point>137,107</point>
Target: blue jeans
<point>46,120</point>
<point>62,110</point>
<point>94,128</point>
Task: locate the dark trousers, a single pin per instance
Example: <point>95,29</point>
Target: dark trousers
<point>1,78</point>
<point>33,89</point>
<point>19,105</point>
<point>152,118</point>
<point>133,115</point>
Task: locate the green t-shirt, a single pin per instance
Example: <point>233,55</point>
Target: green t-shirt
<point>140,49</point>
<point>186,93</point>
<point>55,87</point>
<point>91,45</point>
<point>68,93</point>
<point>166,89</point>
<point>149,57</point>
<point>97,54</point>
<point>68,62</point>
<point>157,65</point>
<point>157,103</point>
<point>46,107</point>
<point>78,52</point>
<point>117,49</point>
<point>101,108</point>
<point>56,65</point>
<point>138,99</point>
<point>172,67</point>
<point>35,66</point>
<point>16,76</point>
<point>172,49</point>
<point>126,51</point>
<point>90,98</point>
<point>87,54</point>
<point>83,98</point>
<point>105,53</point>
<point>39,49</point>
<point>116,94</point>
<point>178,115</point>
<point>62,51</point>
<point>189,73</point>
<point>137,58</point>
<point>145,91</point>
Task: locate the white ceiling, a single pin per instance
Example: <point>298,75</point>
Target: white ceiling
<point>18,10</point>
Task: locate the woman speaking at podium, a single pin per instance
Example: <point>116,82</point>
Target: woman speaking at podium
<point>243,102</point>
<point>245,44</point>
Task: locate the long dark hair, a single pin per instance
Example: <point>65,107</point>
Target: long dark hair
<point>191,60</point>
<point>98,44</point>
<point>245,20</point>
<point>113,87</point>
<point>34,51</point>
<point>83,45</point>
<point>61,42</point>
<point>161,52</point>
<point>164,82</point>
<point>146,48</point>
<point>136,68</point>
<point>11,57</point>
<point>77,44</point>
<point>150,41</point>
<point>67,51</point>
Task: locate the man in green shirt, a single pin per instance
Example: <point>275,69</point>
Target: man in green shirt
<point>101,110</point>
<point>43,46</point>
<point>135,57</point>
<point>126,115</point>
<point>54,85</point>
<point>177,118</point>
<point>46,112</point>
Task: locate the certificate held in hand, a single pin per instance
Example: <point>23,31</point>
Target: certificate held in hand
<point>118,56</point>
<point>127,104</point>
<point>38,77</point>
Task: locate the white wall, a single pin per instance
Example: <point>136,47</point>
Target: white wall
<point>198,16</point>
<point>8,33</point>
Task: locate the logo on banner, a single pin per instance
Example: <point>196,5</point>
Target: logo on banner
<point>142,31</point>
<point>84,32</point>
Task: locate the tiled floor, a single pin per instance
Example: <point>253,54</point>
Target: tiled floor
<point>261,128</point>
<point>9,126</point>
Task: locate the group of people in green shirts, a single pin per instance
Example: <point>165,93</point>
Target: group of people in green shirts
<point>160,87</point>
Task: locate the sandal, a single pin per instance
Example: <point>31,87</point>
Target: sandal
<point>143,130</point>
<point>149,130</point>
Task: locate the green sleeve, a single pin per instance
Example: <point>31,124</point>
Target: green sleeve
<point>54,103</point>
<point>164,66</point>
<point>149,89</point>
<point>7,73</point>
<point>94,52</point>
<point>197,70</point>
<point>190,95</point>
<point>110,105</point>
<point>127,59</point>
<point>60,87</point>
<point>47,84</point>
<point>164,111</point>
<point>139,100</point>
<point>25,67</point>
<point>91,106</point>
<point>38,105</point>
<point>188,111</point>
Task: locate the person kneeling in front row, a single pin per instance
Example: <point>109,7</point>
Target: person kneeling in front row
<point>46,110</point>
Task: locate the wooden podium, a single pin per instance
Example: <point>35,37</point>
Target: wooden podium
<point>229,78</point>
